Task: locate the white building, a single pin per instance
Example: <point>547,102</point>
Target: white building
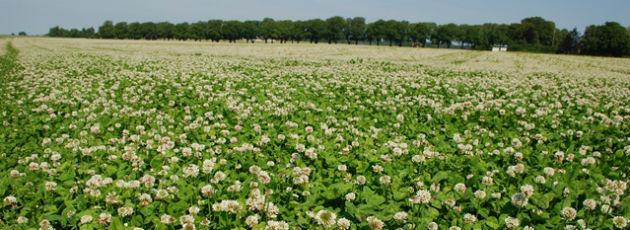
<point>499,48</point>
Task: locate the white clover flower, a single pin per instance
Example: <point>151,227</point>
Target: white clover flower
<point>326,218</point>
<point>470,218</point>
<point>486,180</point>
<point>276,225</point>
<point>252,220</point>
<point>590,204</point>
<point>22,220</point>
<point>342,168</point>
<point>480,194</point>
<point>400,216</point>
<point>422,196</point>
<point>343,224</point>
<point>45,225</point>
<point>520,199</point>
<point>145,199</point>
<point>167,219</point>
<point>191,170</point>
<point>512,223</point>
<point>86,219</point>
<point>104,218</point>
<point>193,210</point>
<point>350,196</point>
<point>125,211</point>
<point>432,226</point>
<point>385,180</point>
<point>230,206</point>
<point>361,180</point>
<point>10,200</point>
<point>375,223</point>
<point>568,213</point>
<point>528,190</point>
<point>460,188</point>
<point>620,222</point>
<point>50,186</point>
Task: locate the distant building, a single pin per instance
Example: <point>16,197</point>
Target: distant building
<point>499,48</point>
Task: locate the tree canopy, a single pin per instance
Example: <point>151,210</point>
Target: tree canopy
<point>610,39</point>
<point>534,34</point>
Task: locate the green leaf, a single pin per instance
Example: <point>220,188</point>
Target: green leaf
<point>116,224</point>
<point>492,222</point>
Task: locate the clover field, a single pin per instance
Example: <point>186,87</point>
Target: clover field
<point>104,134</point>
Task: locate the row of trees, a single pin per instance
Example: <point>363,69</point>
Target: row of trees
<point>531,34</point>
<point>610,39</point>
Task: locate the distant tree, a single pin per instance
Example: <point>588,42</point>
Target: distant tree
<point>315,30</point>
<point>470,35</point>
<point>610,39</point>
<point>165,30</point>
<point>495,34</point>
<point>148,31</point>
<point>396,31</point>
<point>537,30</point>
<point>376,31</point>
<point>74,33</point>
<point>334,29</point>
<point>22,33</point>
<point>199,31</point>
<point>299,31</point>
<point>285,30</point>
<point>88,33</point>
<point>531,34</point>
<point>231,30</point>
<point>135,31</point>
<point>559,36</point>
<point>570,43</point>
<point>57,32</point>
<point>420,32</point>
<point>445,34</point>
<point>269,29</point>
<point>181,31</point>
<point>355,29</point>
<point>214,30</point>
<point>121,31</point>
<point>250,30</point>
<point>106,30</point>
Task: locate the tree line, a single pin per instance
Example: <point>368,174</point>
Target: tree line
<point>534,34</point>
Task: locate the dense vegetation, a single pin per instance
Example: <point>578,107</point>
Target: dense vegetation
<point>107,134</point>
<point>531,34</point>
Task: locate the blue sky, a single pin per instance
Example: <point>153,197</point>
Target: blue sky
<point>36,16</point>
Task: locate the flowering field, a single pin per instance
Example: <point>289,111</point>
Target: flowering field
<point>169,135</point>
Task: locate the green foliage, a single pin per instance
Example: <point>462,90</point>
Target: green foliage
<point>534,34</point>
<point>141,136</point>
<point>610,39</point>
<point>570,43</point>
